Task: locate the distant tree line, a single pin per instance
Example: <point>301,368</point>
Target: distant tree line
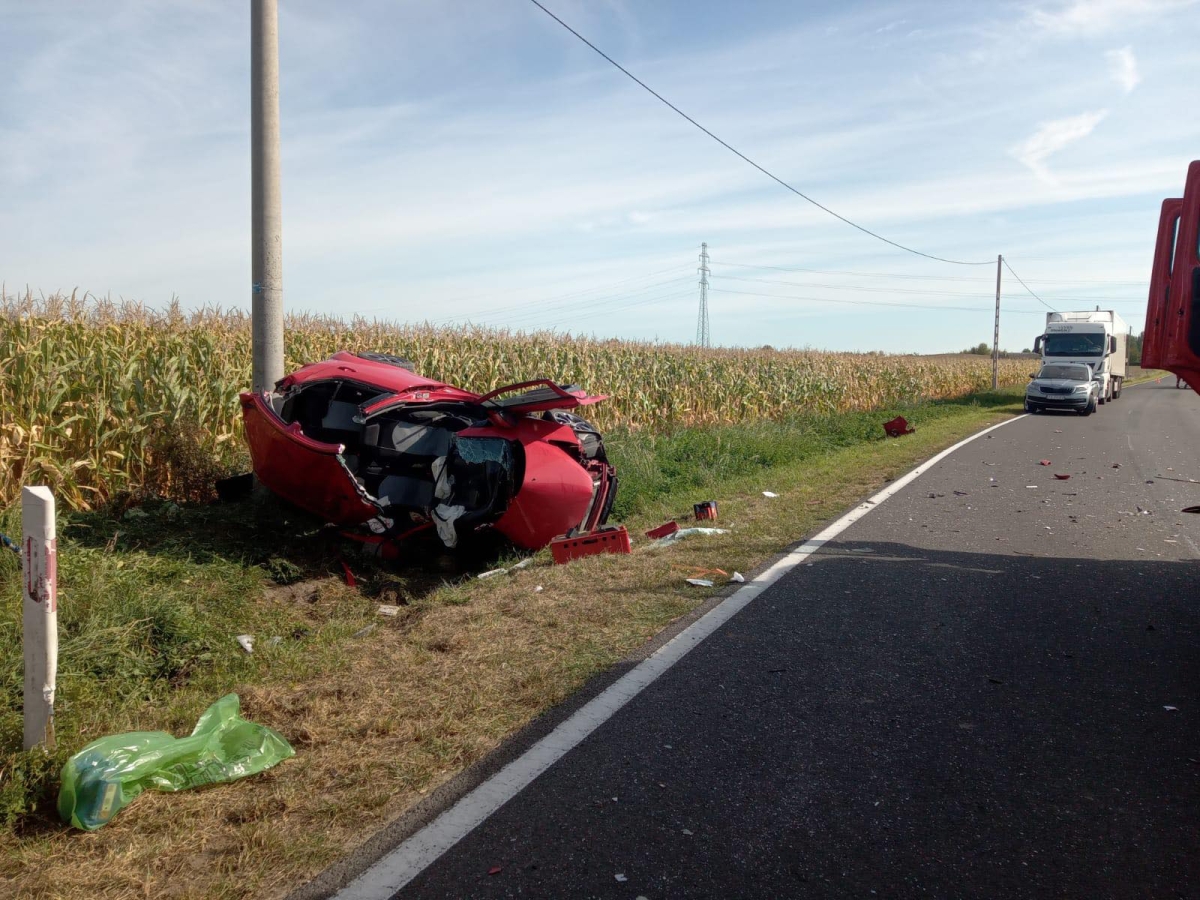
<point>982,349</point>
<point>1134,350</point>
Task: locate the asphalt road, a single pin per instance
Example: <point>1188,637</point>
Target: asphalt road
<point>988,687</point>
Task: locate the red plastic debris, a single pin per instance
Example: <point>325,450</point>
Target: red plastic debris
<point>897,427</point>
<point>351,581</point>
<point>663,530</point>
<point>495,870</point>
<point>1045,462</point>
<point>1062,477</point>
<point>604,540</point>
<point>705,510</point>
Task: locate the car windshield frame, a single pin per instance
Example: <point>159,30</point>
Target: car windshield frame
<point>1064,372</point>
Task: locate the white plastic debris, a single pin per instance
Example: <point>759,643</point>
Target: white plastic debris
<point>686,533</point>
<point>538,589</point>
<point>770,494</point>
<point>388,609</point>
<point>737,577</point>
<point>700,582</point>
<point>620,876</point>
<point>246,641</point>
<point>491,572</point>
<point>525,563</point>
<point>1171,708</point>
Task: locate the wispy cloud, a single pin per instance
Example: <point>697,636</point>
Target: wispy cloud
<point>1090,17</point>
<point>1052,137</point>
<point>1123,65</point>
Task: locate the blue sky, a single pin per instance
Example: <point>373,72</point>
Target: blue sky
<point>471,160</point>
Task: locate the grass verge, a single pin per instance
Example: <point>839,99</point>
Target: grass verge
<point>380,710</point>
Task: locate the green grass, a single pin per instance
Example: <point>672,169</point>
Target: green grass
<point>687,462</point>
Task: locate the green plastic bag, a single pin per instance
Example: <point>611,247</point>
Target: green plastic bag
<point>108,774</point>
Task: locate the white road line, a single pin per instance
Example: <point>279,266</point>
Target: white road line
<point>403,864</point>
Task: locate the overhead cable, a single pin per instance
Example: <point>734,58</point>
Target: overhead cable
<point>974,309</point>
<point>744,157</point>
<point>964,278</point>
<point>1024,285</point>
<point>895,290</point>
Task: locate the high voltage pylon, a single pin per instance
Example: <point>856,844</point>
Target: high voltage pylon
<point>702,337</point>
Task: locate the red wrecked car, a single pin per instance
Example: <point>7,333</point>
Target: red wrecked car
<point>361,439</point>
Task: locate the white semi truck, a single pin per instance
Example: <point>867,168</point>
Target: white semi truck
<point>1097,338</point>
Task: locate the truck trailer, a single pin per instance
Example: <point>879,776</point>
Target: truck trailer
<point>1096,338</point>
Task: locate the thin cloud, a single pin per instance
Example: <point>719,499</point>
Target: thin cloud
<point>1090,17</point>
<point>1052,137</point>
<point>1124,69</point>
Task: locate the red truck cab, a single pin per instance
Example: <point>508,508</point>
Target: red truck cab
<point>1172,336</point>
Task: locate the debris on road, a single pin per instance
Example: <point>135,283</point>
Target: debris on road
<point>700,582</point>
<point>388,609</point>
<point>1045,462</point>
<point>1171,708</point>
<point>1062,477</point>
<point>495,870</point>
<point>770,494</point>
<point>705,510</point>
<point>246,641</point>
<point>897,427</point>
<point>491,572</point>
<point>737,578</point>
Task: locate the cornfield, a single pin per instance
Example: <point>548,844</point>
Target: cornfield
<point>101,400</point>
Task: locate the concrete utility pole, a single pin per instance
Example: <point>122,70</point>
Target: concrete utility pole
<point>266,221</point>
<point>996,331</point>
<point>702,337</point>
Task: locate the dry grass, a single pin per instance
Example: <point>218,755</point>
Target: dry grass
<point>429,693</point>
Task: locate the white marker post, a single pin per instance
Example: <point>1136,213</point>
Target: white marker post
<point>39,573</point>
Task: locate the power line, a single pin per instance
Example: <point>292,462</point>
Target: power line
<point>974,309</point>
<point>963,278</point>
<point>743,156</point>
<point>1024,285</point>
<point>894,290</point>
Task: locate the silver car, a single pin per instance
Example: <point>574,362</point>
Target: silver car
<point>1062,386</point>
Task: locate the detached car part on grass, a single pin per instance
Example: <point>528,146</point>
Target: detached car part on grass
<point>362,440</point>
